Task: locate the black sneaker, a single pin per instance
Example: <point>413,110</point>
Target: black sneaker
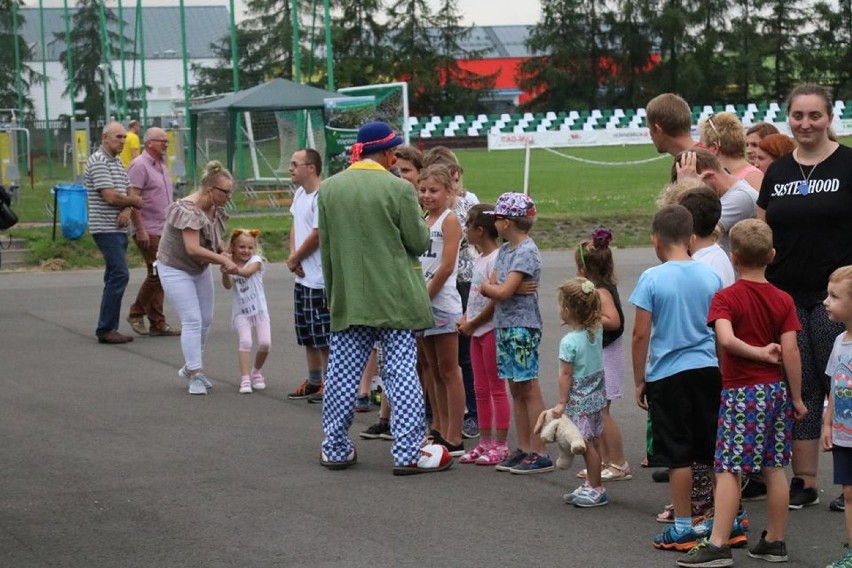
<point>376,430</point>
<point>753,489</point>
<point>304,390</point>
<point>706,554</point>
<point>455,450</point>
<point>801,496</point>
<point>511,460</point>
<point>838,504</point>
<point>769,551</point>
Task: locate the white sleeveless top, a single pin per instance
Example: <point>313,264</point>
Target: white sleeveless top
<point>447,299</point>
<point>249,298</point>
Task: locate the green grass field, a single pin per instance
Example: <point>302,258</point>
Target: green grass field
<point>572,197</point>
<point>565,187</point>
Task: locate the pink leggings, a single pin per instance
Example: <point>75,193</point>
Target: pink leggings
<point>492,401</point>
<point>244,326</point>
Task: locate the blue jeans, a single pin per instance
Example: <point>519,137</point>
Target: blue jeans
<point>116,276</point>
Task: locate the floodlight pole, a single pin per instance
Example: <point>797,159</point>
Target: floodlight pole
<point>236,80</point>
<point>140,33</point>
<point>18,82</point>
<point>297,52</point>
<point>186,103</point>
<point>47,138</point>
<point>123,104</point>
<point>329,60</point>
<point>69,61</point>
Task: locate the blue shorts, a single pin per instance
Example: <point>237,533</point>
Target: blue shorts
<point>842,465</point>
<point>312,318</point>
<point>517,353</point>
<point>754,430</point>
<point>445,322</point>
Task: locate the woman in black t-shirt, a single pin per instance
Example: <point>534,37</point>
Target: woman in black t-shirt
<point>806,198</point>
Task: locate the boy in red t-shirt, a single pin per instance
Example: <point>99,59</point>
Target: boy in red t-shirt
<point>756,327</point>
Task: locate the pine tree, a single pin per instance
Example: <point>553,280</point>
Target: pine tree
<point>220,78</point>
<point>631,40</point>
<point>89,50</point>
<point>272,23</point>
<point>780,26</point>
<point>360,53</point>
<point>8,72</point>
<point>572,57</point>
<point>426,49</point>
<point>824,54</point>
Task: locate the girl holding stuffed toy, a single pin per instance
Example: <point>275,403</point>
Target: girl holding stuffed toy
<point>582,395</point>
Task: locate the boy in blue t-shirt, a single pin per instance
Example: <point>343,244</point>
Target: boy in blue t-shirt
<point>517,322</point>
<point>679,383</point>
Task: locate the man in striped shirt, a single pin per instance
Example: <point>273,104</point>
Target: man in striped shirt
<point>110,204</point>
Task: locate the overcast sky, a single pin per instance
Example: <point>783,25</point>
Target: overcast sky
<point>480,12</point>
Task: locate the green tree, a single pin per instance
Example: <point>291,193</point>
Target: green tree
<point>360,53</point>
<point>220,77</point>
<point>704,75</point>
<point>780,26</point>
<point>8,72</point>
<point>89,49</point>
<point>272,22</point>
<point>426,49</point>
<point>630,37</point>
<point>825,54</point>
<point>573,59</point>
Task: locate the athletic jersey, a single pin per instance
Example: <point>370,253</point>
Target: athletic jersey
<point>447,299</point>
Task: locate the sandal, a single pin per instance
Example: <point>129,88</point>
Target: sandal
<point>473,455</point>
<point>582,473</point>
<point>613,472</point>
<point>667,515</point>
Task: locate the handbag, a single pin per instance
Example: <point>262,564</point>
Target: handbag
<point>7,217</point>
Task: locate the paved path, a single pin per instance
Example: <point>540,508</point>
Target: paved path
<point>106,461</point>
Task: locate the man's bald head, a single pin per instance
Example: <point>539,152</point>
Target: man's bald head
<point>156,142</point>
<point>113,138</point>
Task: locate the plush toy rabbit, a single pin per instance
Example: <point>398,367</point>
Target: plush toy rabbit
<point>566,435</point>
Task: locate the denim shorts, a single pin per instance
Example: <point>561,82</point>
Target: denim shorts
<point>445,322</point>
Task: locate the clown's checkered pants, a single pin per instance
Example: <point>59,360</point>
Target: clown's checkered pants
<point>348,353</point>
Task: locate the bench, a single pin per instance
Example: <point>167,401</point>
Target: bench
<point>267,195</point>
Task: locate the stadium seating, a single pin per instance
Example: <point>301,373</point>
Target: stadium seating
<point>595,119</point>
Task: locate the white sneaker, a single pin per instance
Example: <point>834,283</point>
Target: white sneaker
<point>196,385</point>
<point>569,498</point>
<point>245,386</point>
<point>591,497</point>
<point>183,373</point>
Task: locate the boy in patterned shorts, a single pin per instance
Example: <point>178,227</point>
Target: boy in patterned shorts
<point>756,327</point>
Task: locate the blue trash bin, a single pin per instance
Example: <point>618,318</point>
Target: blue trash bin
<point>73,213</point>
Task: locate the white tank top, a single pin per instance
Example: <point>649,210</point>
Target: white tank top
<point>447,299</point>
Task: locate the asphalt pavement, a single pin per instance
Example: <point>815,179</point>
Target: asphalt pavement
<point>106,461</point>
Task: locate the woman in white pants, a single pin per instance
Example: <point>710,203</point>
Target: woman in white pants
<point>192,240</point>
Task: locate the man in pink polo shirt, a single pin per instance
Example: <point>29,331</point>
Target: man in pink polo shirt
<point>150,178</point>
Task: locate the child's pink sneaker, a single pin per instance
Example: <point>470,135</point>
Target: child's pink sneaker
<point>257,380</point>
<point>493,456</point>
<point>474,454</point>
<point>245,386</point>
